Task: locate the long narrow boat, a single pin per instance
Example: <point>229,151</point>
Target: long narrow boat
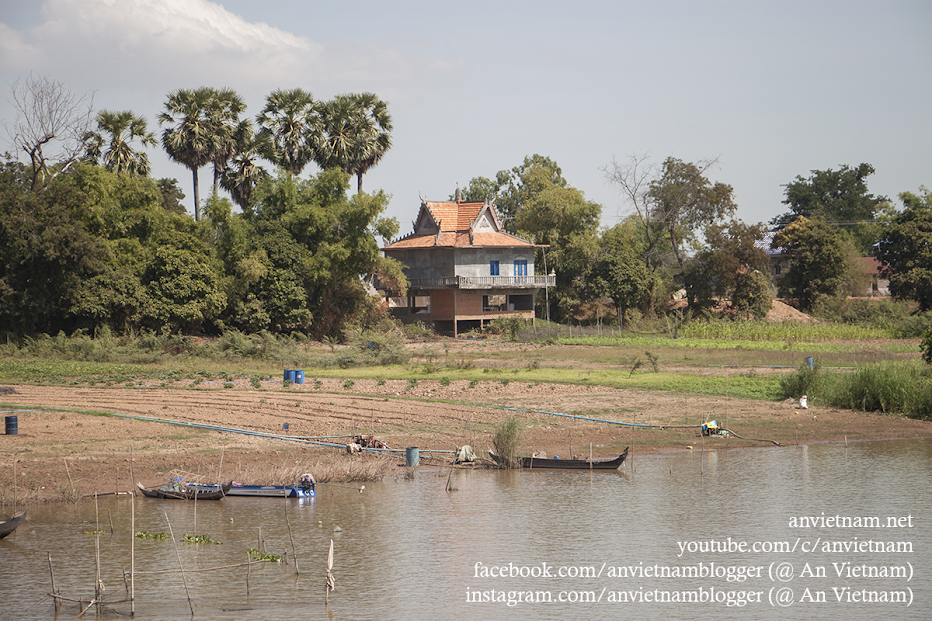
<point>271,491</point>
<point>10,525</point>
<point>179,491</point>
<point>567,464</point>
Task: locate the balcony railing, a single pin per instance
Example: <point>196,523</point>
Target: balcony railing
<point>484,282</point>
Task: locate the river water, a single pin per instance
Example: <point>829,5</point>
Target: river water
<point>821,531</point>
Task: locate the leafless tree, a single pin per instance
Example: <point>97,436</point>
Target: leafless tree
<point>51,126</point>
<point>633,178</point>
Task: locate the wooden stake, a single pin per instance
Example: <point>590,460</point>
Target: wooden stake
<point>111,521</point>
<point>132,552</point>
<point>178,554</point>
<point>248,559</point>
<point>52,575</point>
<point>70,480</point>
<point>294,552</point>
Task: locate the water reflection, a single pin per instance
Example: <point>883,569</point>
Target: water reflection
<point>408,549</point>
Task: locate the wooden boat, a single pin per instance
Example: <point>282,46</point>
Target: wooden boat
<point>567,464</point>
<point>180,491</point>
<point>10,525</point>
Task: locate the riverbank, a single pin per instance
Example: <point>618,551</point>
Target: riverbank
<point>77,440</point>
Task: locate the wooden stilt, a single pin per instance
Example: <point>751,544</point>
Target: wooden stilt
<point>178,554</point>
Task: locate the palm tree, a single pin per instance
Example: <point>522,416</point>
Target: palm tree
<point>290,123</point>
<point>227,128</point>
<point>124,128</point>
<point>189,139</point>
<point>357,134</point>
<point>241,173</point>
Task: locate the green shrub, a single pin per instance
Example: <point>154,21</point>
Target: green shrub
<point>926,346</point>
<point>801,382</point>
<point>505,439</point>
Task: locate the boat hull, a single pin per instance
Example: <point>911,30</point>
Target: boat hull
<point>271,491</point>
<point>567,464</point>
<point>186,492</point>
<point>10,525</point>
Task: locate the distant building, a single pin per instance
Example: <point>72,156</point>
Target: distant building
<point>464,269</point>
<point>778,260</point>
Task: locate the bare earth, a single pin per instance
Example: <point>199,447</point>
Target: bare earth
<point>64,448</point>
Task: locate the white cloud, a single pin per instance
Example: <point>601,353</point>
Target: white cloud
<point>166,42</point>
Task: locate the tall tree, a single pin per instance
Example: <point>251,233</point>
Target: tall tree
<point>242,171</point>
<point>818,264</point>
<point>113,142</point>
<point>618,270</point>
<point>291,125</point>
<point>189,138</point>
<point>730,252</point>
<point>671,201</point>
<point>228,130</point>
<point>906,249</point>
<point>684,200</point>
<point>841,197</point>
<point>50,127</point>
<point>357,133</point>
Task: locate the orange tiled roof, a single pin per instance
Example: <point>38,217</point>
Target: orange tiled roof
<point>456,220</point>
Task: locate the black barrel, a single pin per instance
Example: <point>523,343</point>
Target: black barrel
<point>12,426</point>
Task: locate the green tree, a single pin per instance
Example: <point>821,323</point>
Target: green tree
<point>561,218</point>
<point>171,195</point>
<point>684,200</point>
<point>114,142</point>
<point>189,138</point>
<point>673,201</point>
<point>516,187</point>
<point>290,125</point>
<point>751,296</point>
<point>719,268</point>
<point>818,265</point>
<point>356,134</point>
<point>242,172</point>
<point>228,131</point>
<point>299,255</point>
<point>906,249</point>
<point>182,290</point>
<point>841,197</point>
<point>46,253</point>
<point>618,270</point>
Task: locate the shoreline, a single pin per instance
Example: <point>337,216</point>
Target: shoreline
<point>69,446</point>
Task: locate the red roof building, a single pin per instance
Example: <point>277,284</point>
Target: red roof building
<point>464,269</point>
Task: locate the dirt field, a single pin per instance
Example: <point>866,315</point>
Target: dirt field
<point>64,448</point>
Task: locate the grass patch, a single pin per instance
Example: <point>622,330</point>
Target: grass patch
<point>890,386</point>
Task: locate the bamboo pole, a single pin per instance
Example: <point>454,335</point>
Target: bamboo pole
<point>294,552</point>
<point>132,552</point>
<point>248,559</point>
<point>178,554</point>
<point>52,575</point>
<point>110,517</point>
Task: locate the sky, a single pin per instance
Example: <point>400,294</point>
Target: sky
<point>774,90</point>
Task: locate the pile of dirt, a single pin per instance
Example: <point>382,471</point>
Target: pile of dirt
<point>780,312</point>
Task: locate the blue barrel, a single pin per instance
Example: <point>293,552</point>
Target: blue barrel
<point>809,362</point>
<point>412,456</point>
<point>12,426</point>
<point>299,376</point>
<point>289,375</point>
